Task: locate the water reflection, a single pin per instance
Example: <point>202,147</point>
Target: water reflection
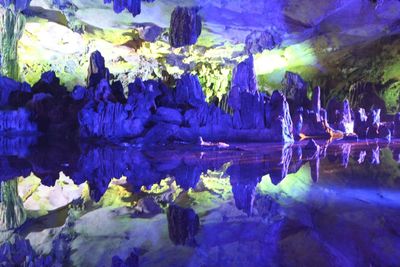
<point>283,196</point>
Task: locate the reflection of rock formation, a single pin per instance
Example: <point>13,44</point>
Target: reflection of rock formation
<point>183,225</point>
<point>278,170</point>
<point>98,164</point>
<point>12,25</point>
<point>185,26</point>
<point>244,193</point>
<point>131,261</point>
<point>12,212</point>
<point>21,253</point>
<point>133,6</point>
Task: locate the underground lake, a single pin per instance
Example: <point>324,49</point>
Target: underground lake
<point>200,133</point>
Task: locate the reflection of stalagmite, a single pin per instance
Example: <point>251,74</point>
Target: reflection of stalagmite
<point>375,160</point>
<point>11,29</point>
<point>244,193</point>
<point>346,150</point>
<point>314,165</point>
<point>183,225</point>
<point>12,212</point>
<point>280,170</point>
<point>361,157</point>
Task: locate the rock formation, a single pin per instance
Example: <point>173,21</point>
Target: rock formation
<point>295,89</point>
<point>153,113</point>
<point>97,70</point>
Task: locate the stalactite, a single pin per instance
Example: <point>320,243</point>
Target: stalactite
<point>11,29</point>
<point>12,212</point>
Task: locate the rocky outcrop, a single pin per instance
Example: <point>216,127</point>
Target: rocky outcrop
<point>185,26</point>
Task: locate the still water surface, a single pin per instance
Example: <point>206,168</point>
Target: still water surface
<point>246,205</point>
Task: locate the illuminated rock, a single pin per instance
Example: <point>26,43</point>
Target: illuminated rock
<point>339,116</point>
<point>185,26</point>
<point>345,122</point>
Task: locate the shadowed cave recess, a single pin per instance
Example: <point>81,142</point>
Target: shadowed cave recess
<point>199,133</point>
